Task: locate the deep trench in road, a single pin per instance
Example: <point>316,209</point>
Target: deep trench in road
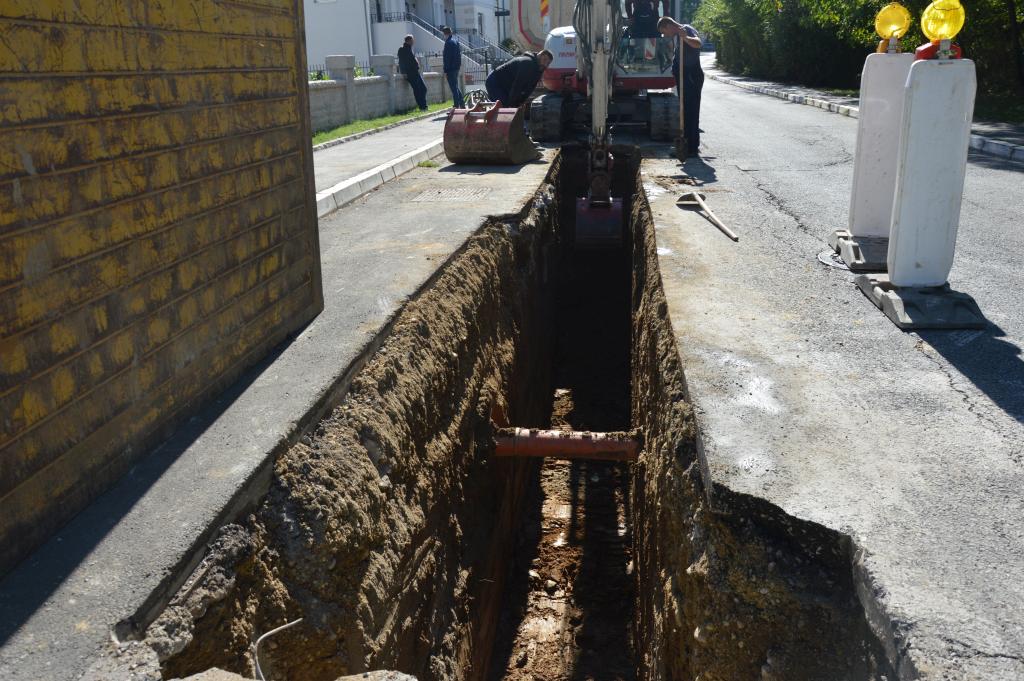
<point>403,543</point>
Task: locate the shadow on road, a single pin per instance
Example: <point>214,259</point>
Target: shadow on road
<point>988,360</point>
<point>994,162</point>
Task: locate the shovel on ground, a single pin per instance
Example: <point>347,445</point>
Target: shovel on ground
<point>696,199</point>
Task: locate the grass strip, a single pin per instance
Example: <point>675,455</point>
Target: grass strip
<point>372,123</point>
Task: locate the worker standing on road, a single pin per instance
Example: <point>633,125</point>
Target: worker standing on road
<point>514,81</point>
<point>693,76</point>
<point>410,66</point>
<point>452,65</point>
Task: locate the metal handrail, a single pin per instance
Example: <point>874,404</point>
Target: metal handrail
<point>497,51</point>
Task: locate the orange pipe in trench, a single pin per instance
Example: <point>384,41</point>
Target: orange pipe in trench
<point>562,444</point>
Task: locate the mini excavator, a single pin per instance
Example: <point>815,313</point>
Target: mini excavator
<point>607,62</point>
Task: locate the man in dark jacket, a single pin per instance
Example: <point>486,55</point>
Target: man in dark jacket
<point>693,76</point>
<point>452,65</point>
<point>410,66</point>
<point>514,81</point>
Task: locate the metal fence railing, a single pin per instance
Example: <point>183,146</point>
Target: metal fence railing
<point>317,72</point>
<point>388,17</point>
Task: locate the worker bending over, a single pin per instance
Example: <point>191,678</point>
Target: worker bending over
<point>514,81</point>
<point>693,76</point>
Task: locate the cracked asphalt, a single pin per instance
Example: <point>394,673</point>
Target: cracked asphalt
<point>807,396</point>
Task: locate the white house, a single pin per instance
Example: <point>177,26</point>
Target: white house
<point>365,27</point>
<point>338,27</point>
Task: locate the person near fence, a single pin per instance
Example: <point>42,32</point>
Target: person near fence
<point>514,81</point>
<point>693,76</point>
<point>410,66</point>
<point>452,65</point>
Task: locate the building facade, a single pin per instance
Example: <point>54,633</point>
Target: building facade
<point>365,27</point>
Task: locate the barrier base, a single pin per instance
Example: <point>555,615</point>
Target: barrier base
<point>938,307</point>
<point>861,253</point>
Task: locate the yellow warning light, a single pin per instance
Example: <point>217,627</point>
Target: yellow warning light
<point>943,19</point>
<point>892,21</point>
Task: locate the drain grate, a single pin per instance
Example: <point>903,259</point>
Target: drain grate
<point>458,194</point>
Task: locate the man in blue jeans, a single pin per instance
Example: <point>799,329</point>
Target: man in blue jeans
<point>410,66</point>
<point>452,65</point>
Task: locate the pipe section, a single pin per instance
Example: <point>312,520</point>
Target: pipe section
<point>564,444</point>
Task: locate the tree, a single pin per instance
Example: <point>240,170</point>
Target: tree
<point>824,42</point>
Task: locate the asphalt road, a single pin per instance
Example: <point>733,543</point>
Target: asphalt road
<point>808,397</point>
<point>800,161</point>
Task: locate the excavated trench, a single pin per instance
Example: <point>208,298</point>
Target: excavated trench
<point>405,544</point>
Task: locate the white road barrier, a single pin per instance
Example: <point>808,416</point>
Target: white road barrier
<point>934,137</point>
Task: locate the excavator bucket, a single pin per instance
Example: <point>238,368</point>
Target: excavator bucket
<point>598,223</point>
<point>489,135</point>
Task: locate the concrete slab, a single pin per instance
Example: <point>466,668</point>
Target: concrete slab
<point>122,558</point>
<point>937,307</point>
<point>808,398</point>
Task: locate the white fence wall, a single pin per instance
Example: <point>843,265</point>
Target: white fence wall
<point>345,98</point>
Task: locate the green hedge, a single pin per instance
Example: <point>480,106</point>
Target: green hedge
<point>824,42</point>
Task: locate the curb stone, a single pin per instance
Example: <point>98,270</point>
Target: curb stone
<point>359,135</point>
<point>982,143</point>
<point>347,191</point>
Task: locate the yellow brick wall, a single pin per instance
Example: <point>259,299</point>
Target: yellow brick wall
<point>157,229</point>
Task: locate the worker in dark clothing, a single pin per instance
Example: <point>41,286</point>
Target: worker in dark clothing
<point>452,65</point>
<point>514,81</point>
<point>693,76</point>
<point>643,17</point>
<point>410,66</point>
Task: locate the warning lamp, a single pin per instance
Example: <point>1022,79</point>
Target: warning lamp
<point>943,19</point>
<point>941,22</point>
<point>892,21</point>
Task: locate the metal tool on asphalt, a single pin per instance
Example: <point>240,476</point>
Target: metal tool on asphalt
<point>696,199</point>
<point>488,134</point>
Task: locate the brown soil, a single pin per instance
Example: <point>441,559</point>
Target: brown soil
<point>569,614</point>
<point>386,529</point>
<point>570,610</point>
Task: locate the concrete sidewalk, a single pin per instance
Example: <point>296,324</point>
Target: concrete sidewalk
<point>344,161</point>
<point>998,139</point>
<point>118,562</point>
<point>348,170</point>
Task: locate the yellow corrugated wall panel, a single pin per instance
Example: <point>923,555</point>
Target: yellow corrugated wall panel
<point>157,229</point>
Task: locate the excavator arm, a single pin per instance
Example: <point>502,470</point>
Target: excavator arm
<point>598,25</point>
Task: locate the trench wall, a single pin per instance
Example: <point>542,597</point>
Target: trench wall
<point>730,586</point>
<point>157,230</point>
<point>388,529</point>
